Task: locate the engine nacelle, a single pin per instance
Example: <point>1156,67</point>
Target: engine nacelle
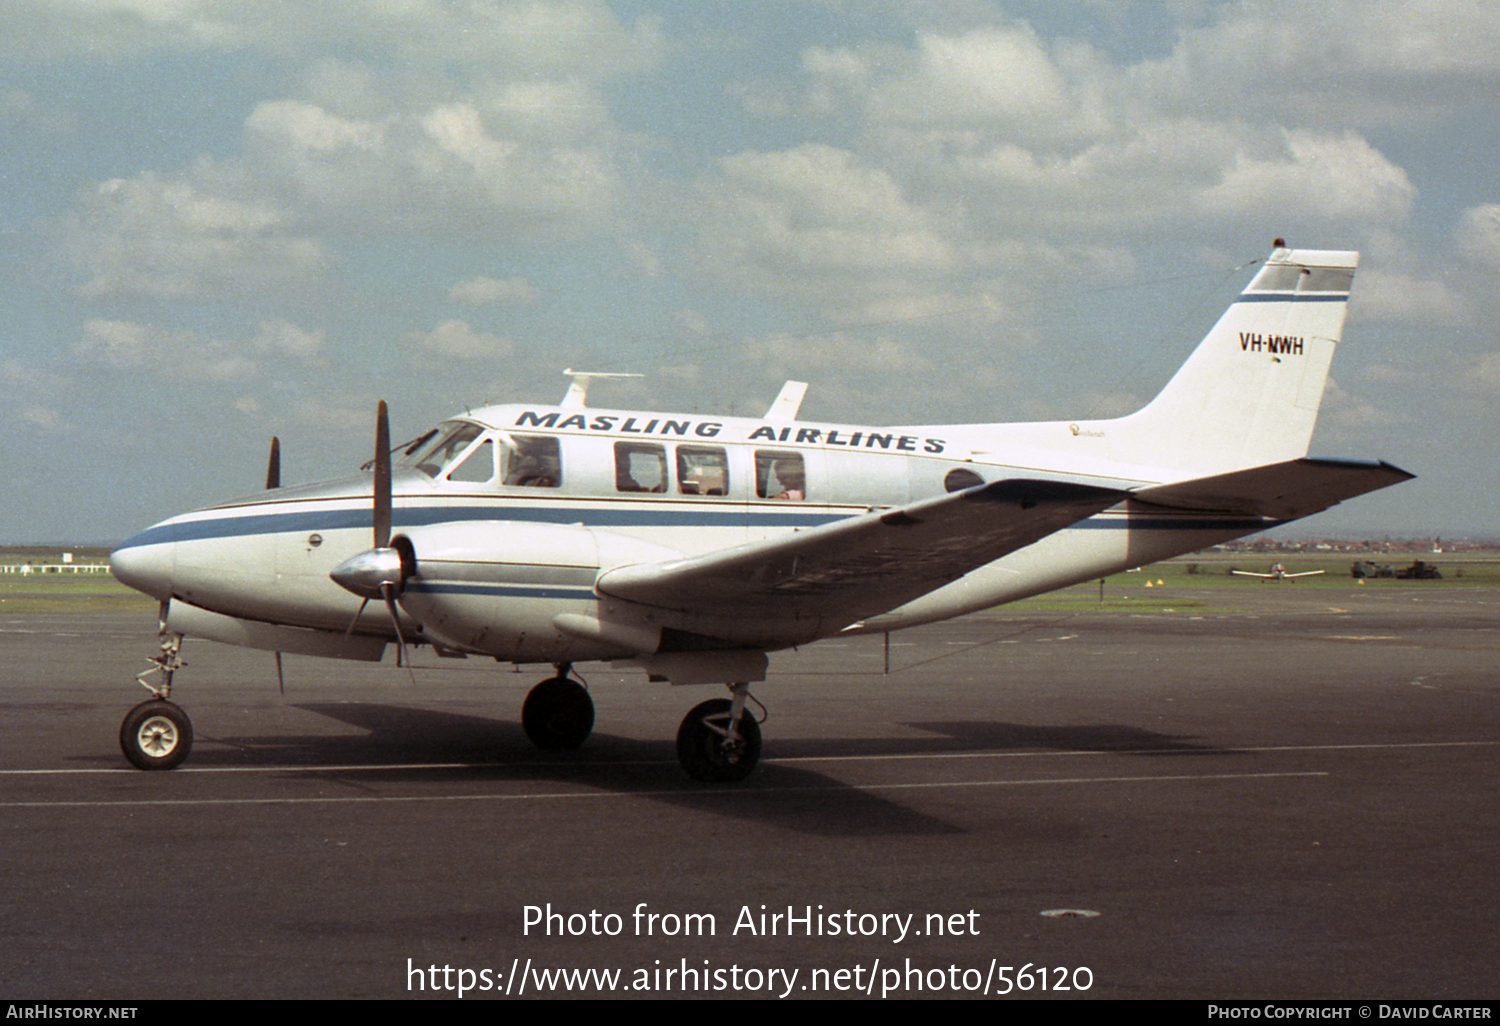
<point>525,592</point>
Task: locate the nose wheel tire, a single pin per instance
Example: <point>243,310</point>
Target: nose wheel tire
<point>156,735</point>
<point>705,749</point>
<point>558,714</point>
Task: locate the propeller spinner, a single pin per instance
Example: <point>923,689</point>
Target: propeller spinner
<point>378,572</point>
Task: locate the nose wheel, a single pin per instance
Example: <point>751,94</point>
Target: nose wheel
<point>156,735</point>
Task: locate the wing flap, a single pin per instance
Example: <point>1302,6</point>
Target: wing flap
<point>866,564</point>
<point>1278,491</point>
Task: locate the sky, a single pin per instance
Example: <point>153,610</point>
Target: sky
<point>224,220</point>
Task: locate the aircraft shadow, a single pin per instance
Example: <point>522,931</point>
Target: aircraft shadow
<point>1103,737</point>
<point>401,744</point>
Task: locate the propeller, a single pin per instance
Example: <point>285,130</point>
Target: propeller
<point>273,466</point>
<point>378,572</point>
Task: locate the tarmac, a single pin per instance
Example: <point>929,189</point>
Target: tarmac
<point>1262,792</point>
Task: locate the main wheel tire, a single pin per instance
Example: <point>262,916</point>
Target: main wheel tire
<point>156,735</point>
<point>558,714</point>
<point>704,748</point>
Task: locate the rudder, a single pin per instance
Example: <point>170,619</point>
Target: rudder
<point>1249,394</point>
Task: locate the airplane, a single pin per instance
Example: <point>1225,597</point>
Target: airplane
<point>692,546</point>
<point>1278,573</point>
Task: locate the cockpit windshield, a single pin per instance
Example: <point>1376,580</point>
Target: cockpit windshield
<point>527,461</point>
<point>452,439</point>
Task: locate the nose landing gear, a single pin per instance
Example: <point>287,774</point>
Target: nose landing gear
<point>157,734</point>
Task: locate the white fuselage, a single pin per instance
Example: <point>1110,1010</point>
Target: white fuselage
<point>503,551</point>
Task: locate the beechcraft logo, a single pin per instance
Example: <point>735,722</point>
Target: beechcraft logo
<point>1254,342</point>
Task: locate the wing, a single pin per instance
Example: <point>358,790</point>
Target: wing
<point>839,573</point>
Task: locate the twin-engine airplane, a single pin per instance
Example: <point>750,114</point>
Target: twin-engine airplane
<point>692,546</point>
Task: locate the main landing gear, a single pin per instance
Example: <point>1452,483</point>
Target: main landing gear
<point>558,713</point>
<point>718,742</point>
<point>157,734</point>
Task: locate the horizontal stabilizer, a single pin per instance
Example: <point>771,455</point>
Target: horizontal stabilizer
<point>1278,491</point>
<point>850,569</point>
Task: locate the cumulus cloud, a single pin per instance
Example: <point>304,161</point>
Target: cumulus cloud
<point>1478,234</point>
<point>29,394</point>
<point>1333,63</point>
<point>1389,295</point>
<point>986,76</point>
<point>1314,177</point>
<point>173,238</point>
<point>442,168</point>
<point>283,338</point>
<point>986,157</point>
<point>533,37</point>
<point>457,340</point>
<point>186,355</point>
<point>790,222</point>
<point>480,291</point>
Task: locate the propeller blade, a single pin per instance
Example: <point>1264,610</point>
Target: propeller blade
<point>382,477</point>
<point>273,468</point>
<point>357,614</point>
<point>387,592</point>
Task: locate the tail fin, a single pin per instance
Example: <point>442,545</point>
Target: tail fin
<point>1249,394</point>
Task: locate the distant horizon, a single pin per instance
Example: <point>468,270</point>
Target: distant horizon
<point>1394,538</point>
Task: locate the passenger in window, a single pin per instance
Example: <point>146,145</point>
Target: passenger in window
<point>793,483</point>
<point>533,462</point>
<point>709,481</point>
<point>702,471</point>
<point>532,472</point>
<point>640,468</point>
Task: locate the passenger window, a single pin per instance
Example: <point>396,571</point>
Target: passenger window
<point>702,471</point>
<point>960,478</point>
<point>640,467</point>
<point>533,461</point>
<point>780,475</point>
<point>478,467</point>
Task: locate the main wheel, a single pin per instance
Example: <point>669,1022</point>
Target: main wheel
<point>558,714</point>
<point>704,748</point>
<point>156,735</point>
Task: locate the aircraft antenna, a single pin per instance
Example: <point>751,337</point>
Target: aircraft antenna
<point>787,402</point>
<point>578,392</point>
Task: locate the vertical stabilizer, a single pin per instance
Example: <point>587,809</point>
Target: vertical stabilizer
<point>1249,394</point>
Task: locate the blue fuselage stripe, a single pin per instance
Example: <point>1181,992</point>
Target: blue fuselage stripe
<point>505,590</point>
<point>260,524</point>
<point>1300,297</point>
<point>421,516</point>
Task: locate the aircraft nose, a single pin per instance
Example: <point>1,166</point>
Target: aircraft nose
<point>145,566</point>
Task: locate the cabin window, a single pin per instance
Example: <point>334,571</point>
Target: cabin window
<point>533,461</point>
<point>702,470</point>
<point>478,467</point>
<point>780,475</point>
<point>960,478</point>
<point>437,455</point>
<point>640,467</point>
